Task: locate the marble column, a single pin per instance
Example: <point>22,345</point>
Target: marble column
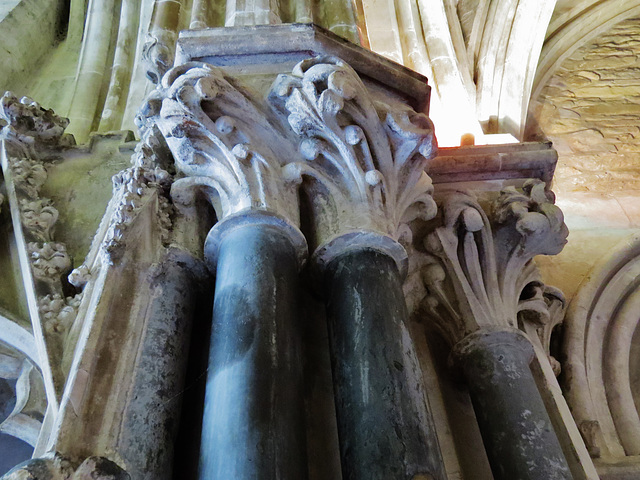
<point>481,284</point>
<point>253,418</point>
<point>232,157</point>
<point>383,423</point>
<point>515,426</point>
<point>365,164</point>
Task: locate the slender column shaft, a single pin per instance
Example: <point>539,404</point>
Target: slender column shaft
<point>515,426</point>
<point>383,422</point>
<point>253,418</point>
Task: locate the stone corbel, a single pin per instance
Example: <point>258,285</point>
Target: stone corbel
<point>483,289</point>
<point>30,136</point>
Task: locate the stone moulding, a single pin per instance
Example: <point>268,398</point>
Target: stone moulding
<point>479,272</point>
<point>30,136</point>
<point>365,160</point>
<point>600,326</point>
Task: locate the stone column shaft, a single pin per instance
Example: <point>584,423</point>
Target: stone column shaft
<point>253,418</point>
<point>383,422</point>
<point>515,426</point>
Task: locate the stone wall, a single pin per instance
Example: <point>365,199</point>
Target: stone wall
<point>591,111</point>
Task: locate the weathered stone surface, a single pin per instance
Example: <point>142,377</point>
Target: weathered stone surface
<point>591,111</point>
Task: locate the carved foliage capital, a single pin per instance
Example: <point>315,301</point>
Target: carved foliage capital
<point>364,161</point>
<point>480,271</point>
<point>226,143</point>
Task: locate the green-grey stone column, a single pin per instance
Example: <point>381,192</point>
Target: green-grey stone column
<point>515,426</point>
<point>253,417</point>
<point>384,428</point>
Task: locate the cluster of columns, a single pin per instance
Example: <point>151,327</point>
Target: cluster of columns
<point>253,425</point>
<point>253,422</point>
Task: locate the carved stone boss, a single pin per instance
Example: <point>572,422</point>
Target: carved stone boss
<point>482,285</point>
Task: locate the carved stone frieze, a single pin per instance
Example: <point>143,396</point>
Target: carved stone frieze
<point>57,467</point>
<point>226,144</point>
<point>364,161</point>
<point>480,272</point>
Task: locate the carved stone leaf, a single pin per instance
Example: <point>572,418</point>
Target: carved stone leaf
<point>38,218</point>
<point>29,126</point>
<point>227,145</point>
<point>49,262</point>
<point>368,159</point>
<point>28,176</point>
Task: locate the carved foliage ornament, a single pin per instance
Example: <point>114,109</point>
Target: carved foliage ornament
<point>29,126</point>
<point>366,161</point>
<point>226,144</point>
<point>480,272</point>
<point>133,189</point>
<point>30,135</point>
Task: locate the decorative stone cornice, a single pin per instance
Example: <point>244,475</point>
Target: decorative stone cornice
<point>229,148</point>
<point>479,273</point>
<point>364,160</point>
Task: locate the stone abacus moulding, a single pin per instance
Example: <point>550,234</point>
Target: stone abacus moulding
<point>364,160</point>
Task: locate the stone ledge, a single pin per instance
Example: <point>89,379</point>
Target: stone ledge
<point>277,48</point>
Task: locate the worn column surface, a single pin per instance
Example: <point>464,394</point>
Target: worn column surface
<point>253,416</point>
<point>383,422</point>
<point>515,426</point>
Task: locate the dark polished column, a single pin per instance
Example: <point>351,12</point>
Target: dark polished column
<point>515,426</point>
<point>253,419</point>
<point>383,422</point>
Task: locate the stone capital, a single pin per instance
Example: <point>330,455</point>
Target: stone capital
<point>479,271</point>
<point>228,148</point>
<point>361,160</point>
